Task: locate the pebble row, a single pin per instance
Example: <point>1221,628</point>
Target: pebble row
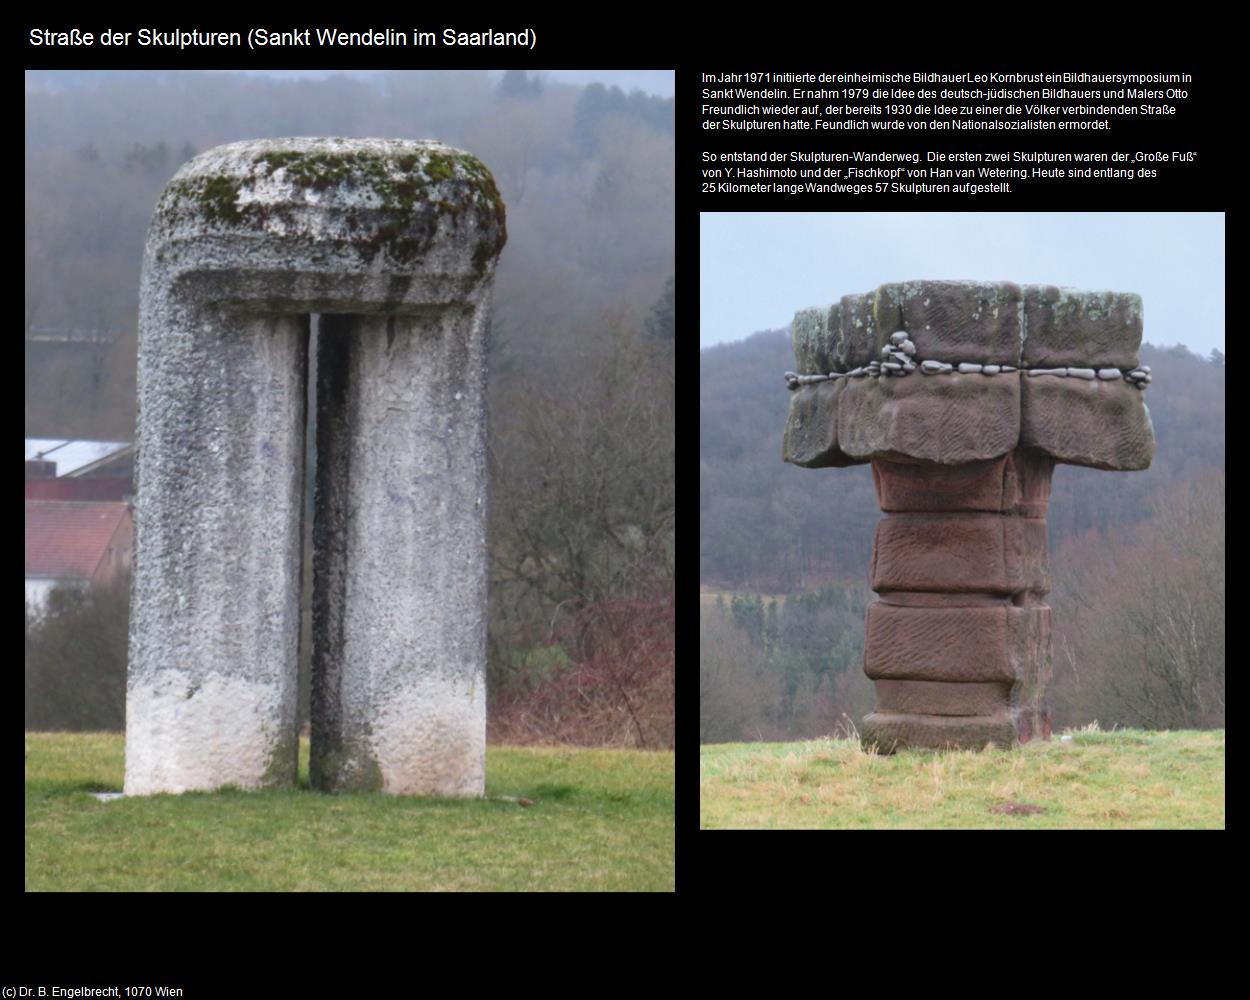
<point>899,359</point>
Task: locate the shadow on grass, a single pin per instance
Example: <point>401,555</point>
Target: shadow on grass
<point>50,788</point>
<point>553,793</point>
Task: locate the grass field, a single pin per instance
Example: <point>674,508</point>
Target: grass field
<point>599,820</point>
<point>1128,779</point>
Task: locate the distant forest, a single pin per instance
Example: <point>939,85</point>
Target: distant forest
<point>581,336</point>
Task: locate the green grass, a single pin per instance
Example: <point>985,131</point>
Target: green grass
<point>600,820</point>
<point>1129,779</point>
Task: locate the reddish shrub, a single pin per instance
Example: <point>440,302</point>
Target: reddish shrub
<point>618,690</point>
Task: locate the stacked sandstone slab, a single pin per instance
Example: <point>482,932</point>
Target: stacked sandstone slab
<point>958,643</point>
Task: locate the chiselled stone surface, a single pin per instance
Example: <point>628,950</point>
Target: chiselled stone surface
<point>959,644</point>
<point>959,321</point>
<point>956,644</point>
<point>941,698</point>
<point>1031,657</point>
<point>399,556</point>
<point>891,732</point>
<point>972,486</point>
<point>1002,381</point>
<point>978,346</point>
<point>399,240</point>
<point>961,575</point>
<point>984,554</point>
<point>1067,326</point>
<point>811,438</point>
<point>860,339</point>
<point>946,419</point>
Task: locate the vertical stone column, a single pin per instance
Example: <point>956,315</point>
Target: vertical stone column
<point>963,395</point>
<point>214,648</point>
<point>397,242</point>
<point>399,672</point>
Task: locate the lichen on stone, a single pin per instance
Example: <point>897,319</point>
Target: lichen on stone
<point>393,196</point>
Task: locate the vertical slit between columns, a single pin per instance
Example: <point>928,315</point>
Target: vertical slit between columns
<point>306,530</point>
<point>331,751</point>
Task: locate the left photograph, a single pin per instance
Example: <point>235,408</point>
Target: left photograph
<point>349,481</point>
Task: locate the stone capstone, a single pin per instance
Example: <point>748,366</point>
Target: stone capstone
<point>1025,337</point>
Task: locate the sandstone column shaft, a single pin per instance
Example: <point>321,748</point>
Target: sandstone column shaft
<point>399,631</point>
<point>958,644</point>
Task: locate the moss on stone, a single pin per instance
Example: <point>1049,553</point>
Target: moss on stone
<point>440,167</point>
<point>414,191</point>
<point>283,769</point>
<point>317,170</point>
<point>219,200</point>
<point>344,769</point>
<point>214,198</point>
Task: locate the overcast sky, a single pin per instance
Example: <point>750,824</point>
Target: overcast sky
<point>758,269</point>
<point>652,81</point>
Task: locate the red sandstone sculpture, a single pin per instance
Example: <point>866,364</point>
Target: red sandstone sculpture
<point>963,396</point>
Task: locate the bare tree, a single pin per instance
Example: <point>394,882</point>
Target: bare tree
<point>584,497</point>
<point>1140,630</point>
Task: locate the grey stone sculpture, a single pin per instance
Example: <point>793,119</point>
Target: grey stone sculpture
<point>1010,380</point>
<point>393,244</point>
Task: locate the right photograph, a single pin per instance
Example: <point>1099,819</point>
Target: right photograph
<point>926,599</point>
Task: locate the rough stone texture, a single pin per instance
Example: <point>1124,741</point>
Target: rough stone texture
<point>953,644</point>
<point>960,629</point>
<point>247,240</point>
<point>835,345</point>
<point>972,486</point>
<point>960,321</point>
<point>941,418</point>
<point>811,438</point>
<point>399,564</point>
<point>813,351</point>
<point>214,625</point>
<point>889,733</point>
<point>951,553</point>
<point>941,698</point>
<point>967,417</point>
<point>1066,326</point>
<point>1032,661</point>
<point>860,341</point>
<point>958,643</point>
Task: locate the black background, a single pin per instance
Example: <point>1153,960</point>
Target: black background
<point>847,883</point>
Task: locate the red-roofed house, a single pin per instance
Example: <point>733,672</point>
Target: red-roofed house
<point>74,542</point>
<point>59,469</point>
